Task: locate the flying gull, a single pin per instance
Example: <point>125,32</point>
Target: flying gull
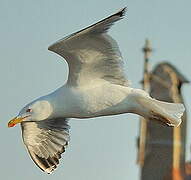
<point>96,87</point>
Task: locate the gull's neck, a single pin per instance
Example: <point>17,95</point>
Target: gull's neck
<point>61,101</point>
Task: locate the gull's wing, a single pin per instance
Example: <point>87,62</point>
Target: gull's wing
<point>46,141</point>
<point>92,54</point>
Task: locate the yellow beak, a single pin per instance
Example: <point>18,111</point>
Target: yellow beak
<point>15,121</point>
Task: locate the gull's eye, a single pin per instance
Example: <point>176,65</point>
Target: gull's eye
<point>29,110</point>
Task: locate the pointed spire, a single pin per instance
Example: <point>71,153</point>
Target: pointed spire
<point>147,49</point>
<point>146,86</point>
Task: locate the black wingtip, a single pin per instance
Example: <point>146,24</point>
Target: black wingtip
<point>122,12</point>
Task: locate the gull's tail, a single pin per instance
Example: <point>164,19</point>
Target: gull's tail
<point>168,113</point>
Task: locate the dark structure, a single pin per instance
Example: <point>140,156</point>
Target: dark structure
<point>147,50</point>
<point>164,151</point>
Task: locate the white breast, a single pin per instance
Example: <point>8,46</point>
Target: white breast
<point>100,100</point>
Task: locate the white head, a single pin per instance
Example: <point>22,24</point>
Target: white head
<point>35,111</point>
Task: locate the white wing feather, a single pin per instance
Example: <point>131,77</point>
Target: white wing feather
<point>46,141</point>
<point>92,54</point>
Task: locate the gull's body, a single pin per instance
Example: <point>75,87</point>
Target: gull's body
<point>96,99</point>
<point>96,86</point>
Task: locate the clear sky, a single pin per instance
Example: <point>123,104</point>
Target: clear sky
<point>102,148</point>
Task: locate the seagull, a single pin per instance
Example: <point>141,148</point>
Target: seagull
<point>96,86</point>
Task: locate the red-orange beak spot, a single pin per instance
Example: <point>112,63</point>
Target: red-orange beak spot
<point>15,121</point>
<point>11,124</point>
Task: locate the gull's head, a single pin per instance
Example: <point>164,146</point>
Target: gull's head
<point>35,111</point>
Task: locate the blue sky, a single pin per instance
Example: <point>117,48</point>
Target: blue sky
<point>101,148</point>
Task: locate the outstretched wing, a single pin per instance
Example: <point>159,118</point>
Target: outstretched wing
<point>46,141</point>
<point>92,54</point>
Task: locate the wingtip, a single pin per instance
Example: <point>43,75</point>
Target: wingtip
<point>122,12</point>
<point>50,48</point>
<point>50,169</point>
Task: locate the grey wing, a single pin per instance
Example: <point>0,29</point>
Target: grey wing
<point>92,54</point>
<point>46,141</point>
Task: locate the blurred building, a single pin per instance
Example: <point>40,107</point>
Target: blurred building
<point>164,150</point>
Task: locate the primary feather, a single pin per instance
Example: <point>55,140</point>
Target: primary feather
<point>46,141</point>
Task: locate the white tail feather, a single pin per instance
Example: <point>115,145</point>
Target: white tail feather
<point>171,111</point>
<point>168,113</point>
